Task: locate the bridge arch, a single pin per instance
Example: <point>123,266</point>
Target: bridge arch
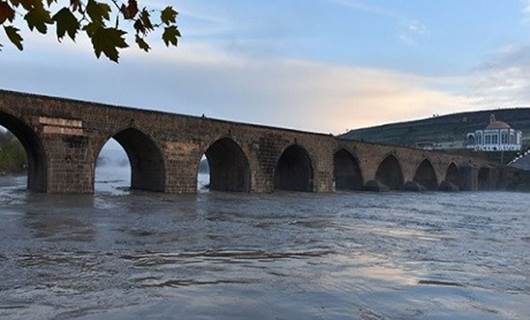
<point>346,171</point>
<point>294,170</point>
<point>389,173</point>
<point>426,176</point>
<point>36,157</point>
<point>229,166</point>
<point>484,182</point>
<point>148,170</point>
<point>452,174</point>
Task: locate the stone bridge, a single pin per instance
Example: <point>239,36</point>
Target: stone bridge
<point>63,139</point>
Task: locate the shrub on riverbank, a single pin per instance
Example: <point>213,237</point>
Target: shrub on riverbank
<point>12,155</point>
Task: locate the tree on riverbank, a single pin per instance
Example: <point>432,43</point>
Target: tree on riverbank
<point>12,154</point>
<point>103,22</point>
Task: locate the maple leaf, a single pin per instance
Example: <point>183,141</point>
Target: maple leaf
<point>107,41</point>
<point>168,16</point>
<point>170,35</point>
<point>75,4</point>
<point>6,12</point>
<point>26,4</point>
<point>14,36</point>
<point>145,17</point>
<point>142,44</point>
<point>129,11</point>
<point>139,26</point>
<point>66,23</point>
<point>98,11</point>
<point>38,18</point>
<point>94,17</point>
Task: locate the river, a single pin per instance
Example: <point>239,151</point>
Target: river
<point>134,255</point>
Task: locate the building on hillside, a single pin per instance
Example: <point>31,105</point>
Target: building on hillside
<point>497,136</point>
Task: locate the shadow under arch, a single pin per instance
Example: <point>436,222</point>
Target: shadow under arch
<point>148,171</point>
<point>452,175</point>
<point>229,166</point>
<point>294,170</point>
<point>426,176</point>
<point>346,171</point>
<point>36,157</point>
<point>389,173</point>
<point>484,183</point>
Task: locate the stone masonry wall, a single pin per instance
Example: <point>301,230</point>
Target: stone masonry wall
<point>72,134</point>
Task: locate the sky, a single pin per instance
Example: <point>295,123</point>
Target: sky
<point>318,65</point>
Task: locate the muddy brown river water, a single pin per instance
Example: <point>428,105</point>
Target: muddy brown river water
<point>121,255</point>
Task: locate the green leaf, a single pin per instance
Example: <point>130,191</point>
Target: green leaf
<point>6,12</point>
<point>107,41</point>
<point>76,5</point>
<point>28,4</point>
<point>139,26</point>
<point>130,10</point>
<point>14,36</point>
<point>38,18</point>
<point>98,11</point>
<point>168,16</point>
<point>66,22</point>
<point>170,35</point>
<point>146,20</point>
<point>142,44</point>
<point>91,28</point>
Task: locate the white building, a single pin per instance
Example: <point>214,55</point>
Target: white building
<point>497,136</point>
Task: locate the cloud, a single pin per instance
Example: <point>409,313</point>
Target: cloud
<point>504,80</point>
<point>412,31</point>
<point>526,6</point>
<point>525,11</point>
<point>409,31</point>
<point>198,78</point>
<point>368,8</point>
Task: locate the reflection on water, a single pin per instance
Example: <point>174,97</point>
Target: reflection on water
<point>113,179</point>
<point>135,255</point>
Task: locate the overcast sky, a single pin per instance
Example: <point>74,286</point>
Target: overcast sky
<point>322,65</point>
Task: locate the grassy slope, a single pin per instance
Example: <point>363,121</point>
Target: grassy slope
<point>441,129</point>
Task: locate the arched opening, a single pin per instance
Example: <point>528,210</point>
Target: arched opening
<point>347,172</point>
<point>389,173</point>
<point>452,175</point>
<point>294,171</point>
<point>227,167</point>
<point>113,169</point>
<point>426,176</point>
<point>484,179</point>
<point>22,152</point>
<point>147,169</point>
<point>470,141</point>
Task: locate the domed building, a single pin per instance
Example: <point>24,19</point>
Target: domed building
<point>497,136</point>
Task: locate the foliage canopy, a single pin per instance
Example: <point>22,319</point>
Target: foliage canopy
<point>102,21</point>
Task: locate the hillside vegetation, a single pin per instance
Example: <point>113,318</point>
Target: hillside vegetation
<point>447,128</point>
<point>12,154</point>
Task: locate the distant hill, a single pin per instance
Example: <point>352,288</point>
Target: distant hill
<point>440,129</point>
